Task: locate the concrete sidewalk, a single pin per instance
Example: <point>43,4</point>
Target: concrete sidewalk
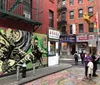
<point>12,80</point>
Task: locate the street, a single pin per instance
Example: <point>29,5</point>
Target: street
<point>71,76</point>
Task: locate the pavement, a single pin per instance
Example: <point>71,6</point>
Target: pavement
<point>39,73</point>
<point>71,76</point>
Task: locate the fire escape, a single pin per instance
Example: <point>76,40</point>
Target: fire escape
<point>9,14</point>
<point>62,9</point>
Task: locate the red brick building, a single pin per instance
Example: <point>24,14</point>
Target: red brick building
<point>77,26</point>
<point>37,10</point>
<point>24,23</point>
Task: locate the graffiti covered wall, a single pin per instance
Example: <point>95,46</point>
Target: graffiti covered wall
<point>17,47</point>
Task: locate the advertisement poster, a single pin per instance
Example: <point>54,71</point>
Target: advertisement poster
<point>18,47</point>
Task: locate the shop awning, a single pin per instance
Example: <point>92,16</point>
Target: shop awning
<point>8,15</point>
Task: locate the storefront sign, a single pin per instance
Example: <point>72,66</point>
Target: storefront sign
<point>54,34</point>
<point>67,39</point>
<point>82,38</point>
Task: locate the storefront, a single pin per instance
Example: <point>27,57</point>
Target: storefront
<point>53,47</point>
<point>82,43</point>
<point>92,43</point>
<point>68,44</point>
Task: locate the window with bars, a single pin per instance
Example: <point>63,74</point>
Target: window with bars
<point>71,2</point>
<point>90,11</point>
<point>81,28</point>
<point>80,1</point>
<point>51,18</point>
<point>71,14</point>
<point>80,13</point>
<point>2,4</point>
<point>71,29</point>
<point>27,8</point>
<point>91,27</point>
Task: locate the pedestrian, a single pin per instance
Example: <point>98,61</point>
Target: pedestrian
<point>87,58</point>
<point>90,69</point>
<point>76,58</point>
<point>95,61</point>
<point>82,55</point>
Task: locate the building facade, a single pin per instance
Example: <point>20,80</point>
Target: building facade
<point>82,21</point>
<point>24,25</point>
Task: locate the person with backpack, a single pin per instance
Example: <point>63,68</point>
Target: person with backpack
<point>82,55</point>
<point>76,58</point>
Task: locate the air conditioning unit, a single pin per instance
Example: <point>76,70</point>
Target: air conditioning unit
<point>27,14</point>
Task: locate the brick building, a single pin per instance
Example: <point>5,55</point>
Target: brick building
<point>79,31</point>
<point>21,22</point>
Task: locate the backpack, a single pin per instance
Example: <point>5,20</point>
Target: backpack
<point>82,55</point>
<point>76,55</point>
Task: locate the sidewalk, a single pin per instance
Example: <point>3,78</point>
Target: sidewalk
<point>12,80</point>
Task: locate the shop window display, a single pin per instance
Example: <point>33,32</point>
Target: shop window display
<point>52,48</point>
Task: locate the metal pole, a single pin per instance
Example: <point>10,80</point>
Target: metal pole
<point>18,73</point>
<point>33,69</point>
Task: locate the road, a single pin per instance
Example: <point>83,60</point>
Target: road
<point>71,76</point>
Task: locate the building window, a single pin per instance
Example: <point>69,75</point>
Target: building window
<point>91,27</point>
<point>63,16</point>
<point>52,1</point>
<point>2,4</point>
<point>90,0</point>
<point>80,1</point>
<point>64,2</point>
<point>27,8</point>
<point>71,2</point>
<point>71,14</point>
<point>80,13</point>
<point>71,29</point>
<point>51,16</point>
<point>90,11</point>
<point>81,28</point>
<point>63,29</point>
<point>52,48</point>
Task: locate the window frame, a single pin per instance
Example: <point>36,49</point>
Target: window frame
<point>80,15</point>
<point>80,1</point>
<point>3,4</point>
<point>91,28</point>
<point>27,8</point>
<point>90,12</point>
<point>81,28</point>
<point>71,16</point>
<point>71,29</point>
<point>52,53</point>
<point>71,2</point>
<point>51,18</point>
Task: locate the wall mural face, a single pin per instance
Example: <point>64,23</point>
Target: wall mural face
<point>18,47</point>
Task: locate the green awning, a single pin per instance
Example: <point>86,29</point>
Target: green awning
<point>9,15</point>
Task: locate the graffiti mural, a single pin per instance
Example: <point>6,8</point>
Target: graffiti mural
<point>40,48</point>
<point>18,47</point>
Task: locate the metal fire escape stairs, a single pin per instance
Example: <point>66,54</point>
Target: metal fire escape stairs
<point>14,6</point>
<point>59,14</point>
